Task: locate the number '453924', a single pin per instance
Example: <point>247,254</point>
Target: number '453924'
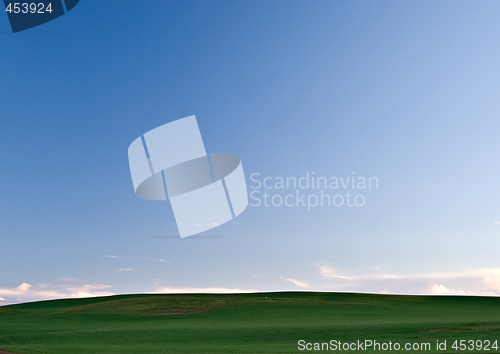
<point>29,7</point>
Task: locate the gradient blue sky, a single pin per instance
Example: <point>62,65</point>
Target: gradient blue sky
<point>405,91</point>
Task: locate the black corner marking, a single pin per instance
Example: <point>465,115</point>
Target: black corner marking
<point>70,4</point>
<point>26,14</point>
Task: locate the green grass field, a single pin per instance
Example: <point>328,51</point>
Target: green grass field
<point>244,323</point>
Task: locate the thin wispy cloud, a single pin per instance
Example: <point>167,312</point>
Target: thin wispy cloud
<point>161,260</point>
<point>169,290</point>
<point>72,280</point>
<point>297,283</point>
<point>330,272</point>
<point>125,269</point>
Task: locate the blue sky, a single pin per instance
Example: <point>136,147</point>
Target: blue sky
<point>404,91</point>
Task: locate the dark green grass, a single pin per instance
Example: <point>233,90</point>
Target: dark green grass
<point>242,323</point>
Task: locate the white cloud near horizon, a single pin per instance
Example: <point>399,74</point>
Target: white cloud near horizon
<point>125,269</point>
<point>482,282</point>
<point>187,290</point>
<point>70,288</point>
<point>297,283</point>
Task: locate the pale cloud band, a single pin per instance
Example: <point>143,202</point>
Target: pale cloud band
<point>69,288</point>
<point>168,290</point>
<point>481,282</point>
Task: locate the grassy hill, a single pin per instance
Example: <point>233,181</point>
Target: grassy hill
<point>244,323</point>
